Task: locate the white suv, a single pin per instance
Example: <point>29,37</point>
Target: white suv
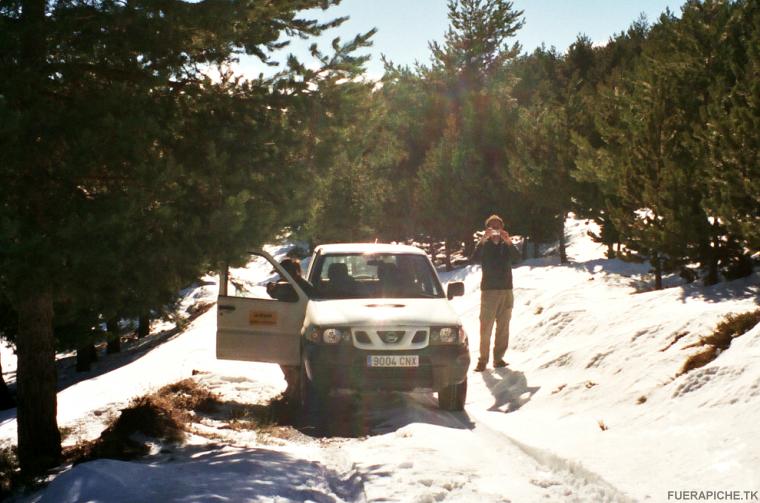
<point>375,317</point>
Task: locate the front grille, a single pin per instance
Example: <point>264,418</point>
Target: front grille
<point>391,336</point>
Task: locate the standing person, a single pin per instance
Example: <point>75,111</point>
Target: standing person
<point>293,267</point>
<point>496,252</point>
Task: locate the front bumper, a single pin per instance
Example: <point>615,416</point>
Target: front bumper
<point>345,367</point>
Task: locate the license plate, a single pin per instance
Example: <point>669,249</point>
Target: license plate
<point>393,361</point>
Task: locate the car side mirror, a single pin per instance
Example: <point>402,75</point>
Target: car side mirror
<point>284,292</point>
<point>455,289</point>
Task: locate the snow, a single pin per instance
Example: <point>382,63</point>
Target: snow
<point>589,409</point>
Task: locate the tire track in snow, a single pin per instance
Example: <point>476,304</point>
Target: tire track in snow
<point>349,486</point>
<point>397,461</point>
<point>589,486</point>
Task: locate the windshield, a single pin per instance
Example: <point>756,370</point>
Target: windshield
<point>371,276</point>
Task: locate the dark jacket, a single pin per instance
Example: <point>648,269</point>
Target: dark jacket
<point>496,260</point>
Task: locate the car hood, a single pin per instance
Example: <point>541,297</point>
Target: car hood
<point>381,312</point>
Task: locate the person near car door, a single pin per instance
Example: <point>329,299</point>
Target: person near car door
<point>283,291</point>
<point>280,291</point>
<point>496,253</point>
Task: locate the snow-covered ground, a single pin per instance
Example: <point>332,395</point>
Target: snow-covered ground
<point>589,409</point>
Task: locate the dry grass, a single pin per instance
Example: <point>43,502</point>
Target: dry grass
<point>126,438</point>
<point>165,415</point>
<point>198,309</point>
<point>732,326</point>
<point>168,414</point>
<point>269,418</point>
<point>188,395</point>
<point>699,359</point>
<point>641,399</point>
<point>677,337</point>
<point>602,425</point>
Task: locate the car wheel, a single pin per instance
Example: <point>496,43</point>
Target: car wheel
<point>305,389</point>
<point>310,397</point>
<point>453,397</point>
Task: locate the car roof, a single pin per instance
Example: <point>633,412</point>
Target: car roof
<point>354,248</point>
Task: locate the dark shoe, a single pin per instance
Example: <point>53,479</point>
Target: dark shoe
<point>499,363</point>
<point>480,367</point>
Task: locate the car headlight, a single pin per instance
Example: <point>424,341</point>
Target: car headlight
<point>329,335</point>
<point>447,335</point>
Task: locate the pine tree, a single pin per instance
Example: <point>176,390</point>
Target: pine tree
<point>445,183</point>
<point>595,193</point>
<point>475,45</point>
<point>412,117</point>
<point>116,169</point>
<point>543,155</point>
<point>728,139</point>
<point>468,72</point>
<point>651,115</point>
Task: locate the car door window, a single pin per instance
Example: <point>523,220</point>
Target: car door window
<point>250,282</point>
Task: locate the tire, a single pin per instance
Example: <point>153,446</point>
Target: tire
<point>453,397</point>
<point>310,397</point>
<point>305,389</point>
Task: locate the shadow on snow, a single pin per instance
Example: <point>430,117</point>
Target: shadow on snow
<point>354,415</point>
<point>509,388</point>
<point>206,474</point>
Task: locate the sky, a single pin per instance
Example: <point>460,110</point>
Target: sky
<point>405,27</point>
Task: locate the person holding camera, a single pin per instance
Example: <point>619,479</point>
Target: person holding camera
<point>496,253</point>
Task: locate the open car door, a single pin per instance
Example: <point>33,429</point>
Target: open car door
<point>251,325</point>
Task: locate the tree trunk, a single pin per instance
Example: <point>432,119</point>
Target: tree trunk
<point>525,248</point>
<point>712,259</point>
<point>114,338</point>
<point>610,250</point>
<point>535,249</point>
<point>657,271</point>
<point>39,441</point>
<point>447,248</point>
<point>432,251</point>
<point>143,326</point>
<point>469,246</point>
<point>224,279</point>
<point>562,245</point>
<point>85,356</point>
<point>6,399</point>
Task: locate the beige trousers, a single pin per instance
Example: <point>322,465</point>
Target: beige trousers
<point>495,307</point>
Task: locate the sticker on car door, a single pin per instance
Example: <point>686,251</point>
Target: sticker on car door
<point>262,318</point>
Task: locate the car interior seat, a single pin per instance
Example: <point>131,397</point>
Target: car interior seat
<point>340,282</point>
